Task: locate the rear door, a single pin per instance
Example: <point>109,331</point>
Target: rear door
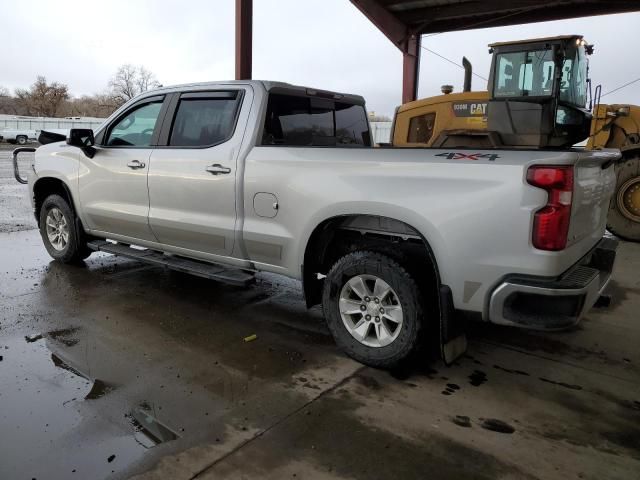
<point>192,178</point>
<point>113,184</point>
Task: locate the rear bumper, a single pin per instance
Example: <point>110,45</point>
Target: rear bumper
<point>553,304</point>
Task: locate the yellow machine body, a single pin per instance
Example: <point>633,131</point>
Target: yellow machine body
<point>423,122</point>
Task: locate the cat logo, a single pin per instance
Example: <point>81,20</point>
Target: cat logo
<point>470,109</point>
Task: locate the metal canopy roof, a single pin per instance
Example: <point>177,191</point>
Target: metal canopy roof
<point>405,21</point>
<point>430,16</point>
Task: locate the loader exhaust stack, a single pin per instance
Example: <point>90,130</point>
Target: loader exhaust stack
<point>467,74</point>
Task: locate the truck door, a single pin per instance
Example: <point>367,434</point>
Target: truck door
<point>192,178</point>
<point>113,184</point>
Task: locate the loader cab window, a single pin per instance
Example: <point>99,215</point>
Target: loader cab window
<point>293,120</point>
<point>573,85</point>
<point>421,128</point>
<point>524,74</point>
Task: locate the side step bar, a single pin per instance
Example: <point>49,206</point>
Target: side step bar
<point>212,271</point>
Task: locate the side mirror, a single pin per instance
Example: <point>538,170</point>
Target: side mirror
<point>83,139</point>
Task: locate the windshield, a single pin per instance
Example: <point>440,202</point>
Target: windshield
<point>573,86</point>
<point>524,74</point>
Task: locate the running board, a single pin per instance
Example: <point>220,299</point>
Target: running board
<point>212,271</point>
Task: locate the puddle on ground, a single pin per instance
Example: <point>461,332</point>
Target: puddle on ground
<point>65,335</point>
<point>450,389</point>
<point>149,431</point>
<point>561,384</point>
<point>496,425</point>
<point>50,406</point>
<point>462,421</point>
<point>477,378</point>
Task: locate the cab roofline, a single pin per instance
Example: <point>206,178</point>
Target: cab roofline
<point>268,85</point>
<point>536,40</point>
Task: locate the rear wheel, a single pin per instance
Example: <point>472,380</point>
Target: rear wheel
<point>21,139</point>
<point>624,212</point>
<point>373,309</point>
<point>58,232</point>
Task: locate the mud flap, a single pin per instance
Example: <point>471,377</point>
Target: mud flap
<point>453,340</point>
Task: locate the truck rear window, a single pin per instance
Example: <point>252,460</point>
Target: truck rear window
<point>310,121</point>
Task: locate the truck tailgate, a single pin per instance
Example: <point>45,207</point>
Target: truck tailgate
<point>594,184</point>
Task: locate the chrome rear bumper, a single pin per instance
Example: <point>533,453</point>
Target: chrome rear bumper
<point>553,304</point>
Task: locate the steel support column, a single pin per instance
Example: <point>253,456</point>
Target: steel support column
<point>244,38</point>
<point>410,68</point>
<point>402,37</point>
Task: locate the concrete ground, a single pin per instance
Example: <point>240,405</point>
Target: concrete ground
<point>116,369</point>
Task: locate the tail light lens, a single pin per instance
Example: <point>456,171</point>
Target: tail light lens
<point>551,222</point>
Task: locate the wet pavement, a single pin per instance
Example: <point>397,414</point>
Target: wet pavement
<point>116,369</point>
<point>15,212</point>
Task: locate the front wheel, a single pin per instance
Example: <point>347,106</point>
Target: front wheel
<point>21,139</point>
<point>373,309</point>
<point>58,232</point>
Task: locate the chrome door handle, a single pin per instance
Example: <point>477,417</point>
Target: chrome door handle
<point>217,169</point>
<point>135,164</point>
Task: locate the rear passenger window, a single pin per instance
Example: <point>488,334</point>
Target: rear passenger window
<point>203,119</point>
<point>351,125</point>
<point>310,121</point>
<point>421,128</point>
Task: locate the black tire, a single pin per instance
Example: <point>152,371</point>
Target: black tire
<point>617,222</point>
<point>76,248</point>
<point>21,140</point>
<point>403,285</point>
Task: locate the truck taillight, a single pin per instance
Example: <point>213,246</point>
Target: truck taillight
<point>551,222</point>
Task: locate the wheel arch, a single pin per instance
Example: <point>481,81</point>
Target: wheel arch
<point>629,151</point>
<point>45,186</point>
<point>341,234</point>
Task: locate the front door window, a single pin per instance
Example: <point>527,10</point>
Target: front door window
<point>136,128</point>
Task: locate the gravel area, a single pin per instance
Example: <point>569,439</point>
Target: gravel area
<point>15,207</point>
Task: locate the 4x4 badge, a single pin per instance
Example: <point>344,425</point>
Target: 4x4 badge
<point>468,156</point>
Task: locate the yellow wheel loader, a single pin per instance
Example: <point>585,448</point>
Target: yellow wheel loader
<point>538,92</point>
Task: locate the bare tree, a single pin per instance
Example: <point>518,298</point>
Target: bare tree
<point>8,104</point>
<point>130,81</point>
<point>98,105</point>
<point>42,98</point>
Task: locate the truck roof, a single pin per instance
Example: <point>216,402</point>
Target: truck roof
<point>268,85</point>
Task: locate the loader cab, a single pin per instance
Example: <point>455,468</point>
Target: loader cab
<point>538,92</point>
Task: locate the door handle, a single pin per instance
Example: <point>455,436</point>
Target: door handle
<point>217,169</point>
<point>135,164</point>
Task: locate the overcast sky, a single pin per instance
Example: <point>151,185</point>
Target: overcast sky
<point>327,44</point>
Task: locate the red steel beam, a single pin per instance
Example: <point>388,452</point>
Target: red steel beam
<point>410,68</point>
<point>244,38</point>
<point>387,23</point>
<point>402,37</point>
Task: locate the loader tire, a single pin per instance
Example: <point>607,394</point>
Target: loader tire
<point>623,219</point>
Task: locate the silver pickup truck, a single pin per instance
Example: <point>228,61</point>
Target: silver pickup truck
<point>227,179</point>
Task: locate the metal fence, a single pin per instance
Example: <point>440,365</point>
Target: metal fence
<point>42,123</point>
<point>381,132</point>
